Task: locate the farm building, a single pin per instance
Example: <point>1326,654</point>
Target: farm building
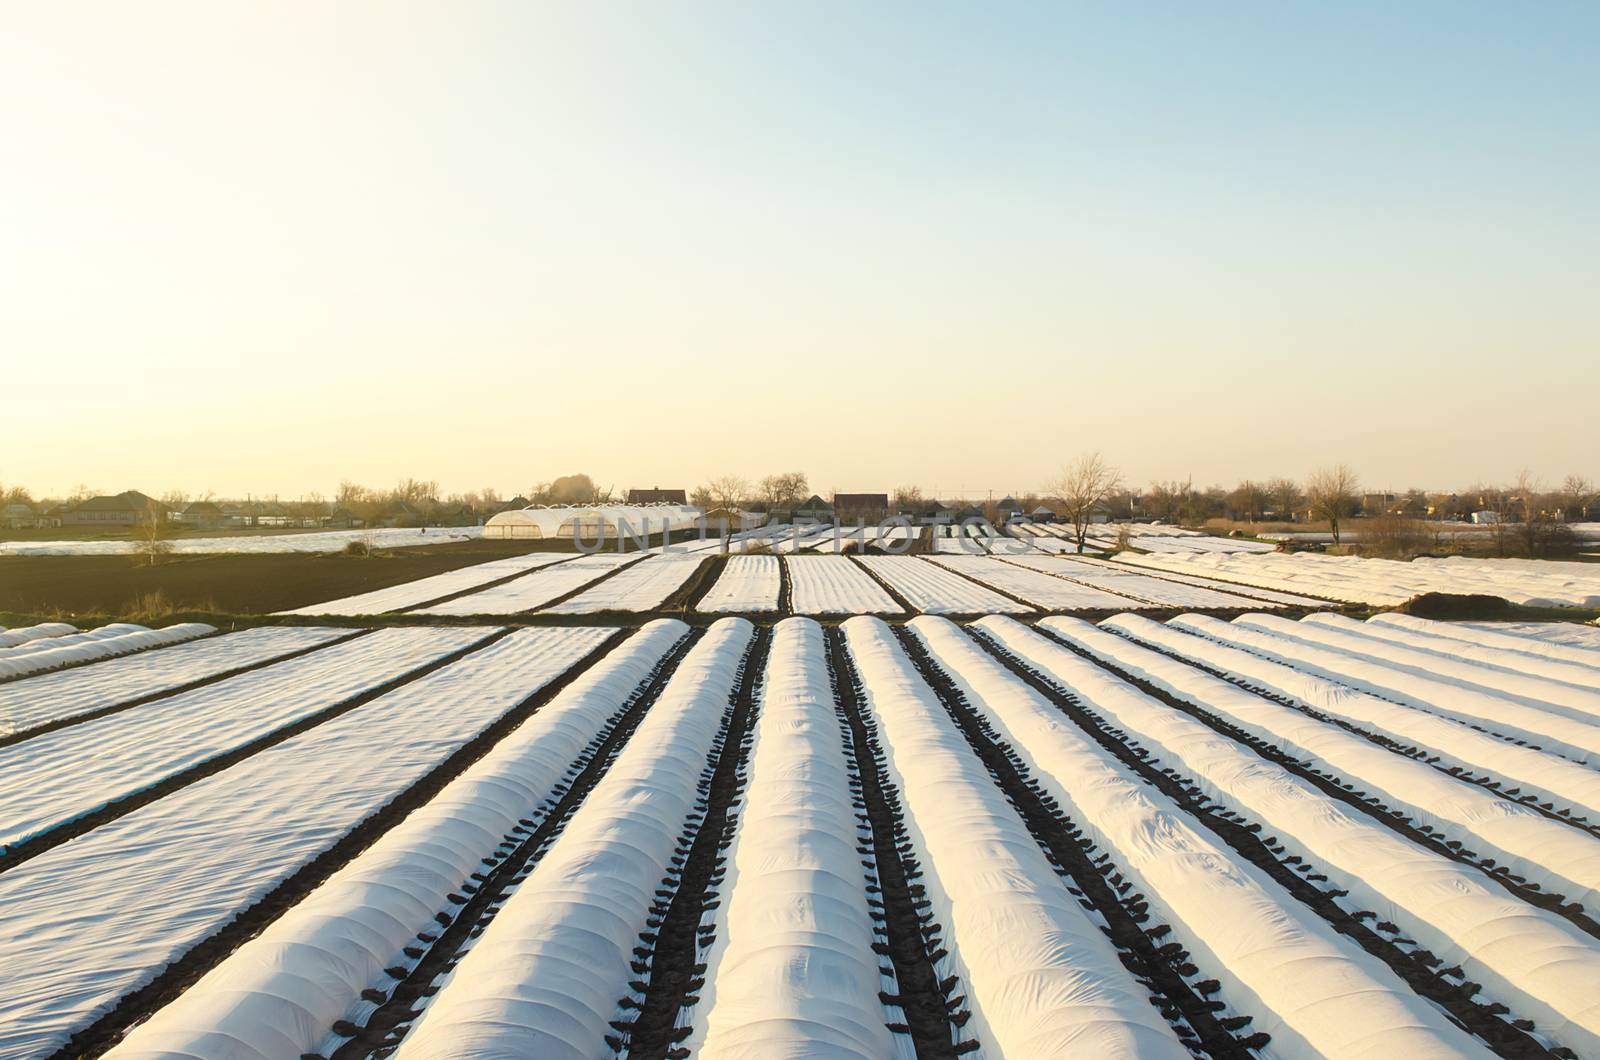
<point>1042,514</point>
<point>1009,509</point>
<point>203,514</point>
<point>656,495</point>
<point>815,509</point>
<point>866,507</point>
<point>128,508</point>
<point>19,515</point>
<point>590,521</point>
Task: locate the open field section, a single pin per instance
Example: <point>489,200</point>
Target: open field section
<point>1506,838</point>
<point>1271,596</point>
<point>104,686</point>
<point>1533,961</point>
<point>1284,971</point>
<point>747,584</point>
<point>1045,592</point>
<point>535,590</point>
<point>1133,585</point>
<point>435,587</point>
<point>1346,635</point>
<point>834,585</point>
<point>1448,744</point>
<point>645,586</point>
<point>936,591</point>
<point>61,776</point>
<point>549,974</point>
<point>167,876</point>
<point>1499,715</point>
<point>284,991</point>
<point>797,887</point>
<point>106,642</point>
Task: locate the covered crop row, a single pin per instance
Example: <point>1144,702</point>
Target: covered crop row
<point>107,642</point>
<point>747,584</point>
<point>934,590</point>
<point>285,991</point>
<point>1041,590</point>
<point>412,594</point>
<point>551,972</point>
<point>535,590</point>
<point>644,586</point>
<point>1139,588</point>
<point>166,876</point>
<point>1529,959</point>
<point>60,776</point>
<point>106,686</point>
<point>832,585</point>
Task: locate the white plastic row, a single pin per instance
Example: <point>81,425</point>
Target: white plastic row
<point>1500,641</point>
<point>45,698</point>
<point>1039,975</point>
<point>1041,590</point>
<point>746,584</point>
<point>1314,991</point>
<point>1548,777</point>
<point>58,776</point>
<point>107,642</point>
<point>90,920</point>
<point>644,586</point>
<point>1577,740</point>
<point>1529,959</point>
<point>546,977</point>
<point>934,590</point>
<point>1554,855</point>
<point>421,591</point>
<point>10,638</point>
<point>792,971</point>
<point>1351,637</point>
<point>833,585</point>
<point>280,993</point>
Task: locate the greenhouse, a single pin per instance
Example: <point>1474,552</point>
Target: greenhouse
<point>592,521</point>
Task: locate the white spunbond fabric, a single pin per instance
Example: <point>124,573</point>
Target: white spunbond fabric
<point>1579,674</point>
<point>1514,639</point>
<point>113,629</point>
<point>10,638</point>
<point>1552,854</point>
<point>1040,977</point>
<point>88,921</point>
<point>280,993</point>
<point>1548,777</point>
<point>54,654</point>
<point>933,590</point>
<point>1531,960</point>
<point>547,974</point>
<point>1313,990</point>
<point>746,584</point>
<point>1041,590</point>
<point>45,698</point>
<point>792,972</point>
<point>645,586</point>
<point>59,776</point>
<point>833,585</point>
<point>533,591</point>
<point>419,592</point>
<point>1141,588</point>
<point>1577,740</point>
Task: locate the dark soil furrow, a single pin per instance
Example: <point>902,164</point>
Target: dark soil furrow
<point>910,936</point>
<point>115,708</point>
<point>183,972</point>
<point>1419,968</point>
<point>675,973</point>
<point>32,848</point>
<point>1346,793</point>
<point>1097,880</point>
<point>518,854</point>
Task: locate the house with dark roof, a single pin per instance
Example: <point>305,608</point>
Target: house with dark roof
<point>863,507</point>
<point>656,495</point>
<point>343,519</point>
<point>1009,509</point>
<point>204,515</point>
<point>128,508</point>
<point>815,509</point>
<point>19,515</point>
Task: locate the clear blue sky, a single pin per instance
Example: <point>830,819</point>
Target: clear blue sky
<point>264,247</point>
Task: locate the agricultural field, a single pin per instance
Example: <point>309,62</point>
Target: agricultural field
<point>1226,838</point>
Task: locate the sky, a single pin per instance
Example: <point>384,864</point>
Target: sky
<point>261,248</point>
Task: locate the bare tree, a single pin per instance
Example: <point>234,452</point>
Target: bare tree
<point>1540,529</point>
<point>728,493</point>
<point>1084,487</point>
<point>1332,494</point>
<point>785,491</point>
<point>1285,496</point>
<point>1248,498</point>
<point>1577,493</point>
<point>151,533</point>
